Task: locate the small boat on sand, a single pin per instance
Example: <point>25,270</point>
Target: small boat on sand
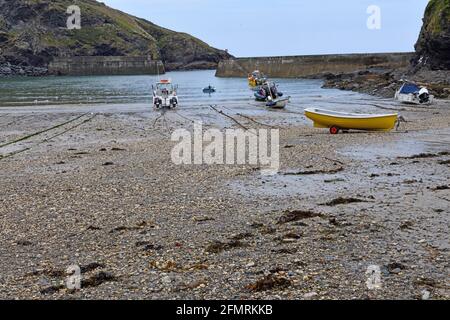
<point>209,89</point>
<point>337,121</point>
<point>278,103</point>
<point>411,93</point>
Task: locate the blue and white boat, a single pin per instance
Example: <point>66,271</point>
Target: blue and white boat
<point>411,93</point>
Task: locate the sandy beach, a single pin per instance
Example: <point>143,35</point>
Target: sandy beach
<point>95,186</point>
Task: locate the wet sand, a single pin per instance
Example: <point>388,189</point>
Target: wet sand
<point>101,191</point>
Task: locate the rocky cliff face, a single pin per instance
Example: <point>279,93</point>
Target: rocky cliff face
<point>433,46</point>
<point>33,32</point>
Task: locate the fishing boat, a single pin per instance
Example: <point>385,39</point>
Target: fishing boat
<point>267,90</point>
<point>278,103</point>
<point>411,93</point>
<point>165,95</point>
<point>256,78</point>
<point>209,89</point>
<point>337,121</point>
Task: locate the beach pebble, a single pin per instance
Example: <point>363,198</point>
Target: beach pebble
<point>310,295</point>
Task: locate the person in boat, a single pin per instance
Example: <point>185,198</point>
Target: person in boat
<point>209,89</point>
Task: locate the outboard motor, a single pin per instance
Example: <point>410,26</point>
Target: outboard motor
<point>158,103</point>
<point>173,102</point>
<point>424,95</point>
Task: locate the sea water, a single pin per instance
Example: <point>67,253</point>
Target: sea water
<point>129,90</point>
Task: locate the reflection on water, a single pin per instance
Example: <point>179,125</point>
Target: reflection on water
<point>232,92</point>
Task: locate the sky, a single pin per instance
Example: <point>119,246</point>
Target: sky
<point>251,28</point>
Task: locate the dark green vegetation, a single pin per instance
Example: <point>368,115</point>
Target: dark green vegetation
<point>433,46</point>
<point>33,32</point>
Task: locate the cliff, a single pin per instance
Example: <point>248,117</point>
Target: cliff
<point>433,46</point>
<point>34,32</point>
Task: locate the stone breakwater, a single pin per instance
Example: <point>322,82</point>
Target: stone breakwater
<point>106,65</point>
<point>7,69</point>
<point>312,65</point>
<point>83,66</point>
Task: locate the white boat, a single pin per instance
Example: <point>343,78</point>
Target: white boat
<point>278,103</point>
<point>411,93</point>
<point>165,95</point>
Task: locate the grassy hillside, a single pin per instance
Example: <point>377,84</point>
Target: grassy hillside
<point>33,32</point>
<point>437,16</point>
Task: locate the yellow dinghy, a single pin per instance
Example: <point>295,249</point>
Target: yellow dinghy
<point>337,121</point>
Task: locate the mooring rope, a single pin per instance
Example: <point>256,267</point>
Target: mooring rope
<point>41,132</point>
<point>9,155</point>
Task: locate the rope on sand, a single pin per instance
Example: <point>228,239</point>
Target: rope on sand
<point>154,129</point>
<point>230,117</point>
<point>41,132</point>
<point>9,155</point>
<point>253,120</point>
<point>70,129</point>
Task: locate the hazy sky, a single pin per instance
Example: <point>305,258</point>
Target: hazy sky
<point>287,27</point>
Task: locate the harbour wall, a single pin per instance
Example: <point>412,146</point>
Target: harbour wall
<point>106,65</point>
<point>312,65</point>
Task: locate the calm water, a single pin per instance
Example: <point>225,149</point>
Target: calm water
<point>136,90</point>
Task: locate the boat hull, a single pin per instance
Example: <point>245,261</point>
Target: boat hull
<point>260,97</point>
<point>351,121</point>
<point>412,99</point>
<point>165,102</point>
<point>278,104</point>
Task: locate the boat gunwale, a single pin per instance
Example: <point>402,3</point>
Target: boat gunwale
<point>344,115</point>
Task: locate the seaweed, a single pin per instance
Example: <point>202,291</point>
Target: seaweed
<point>341,200</point>
<point>293,216</point>
<point>270,282</point>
